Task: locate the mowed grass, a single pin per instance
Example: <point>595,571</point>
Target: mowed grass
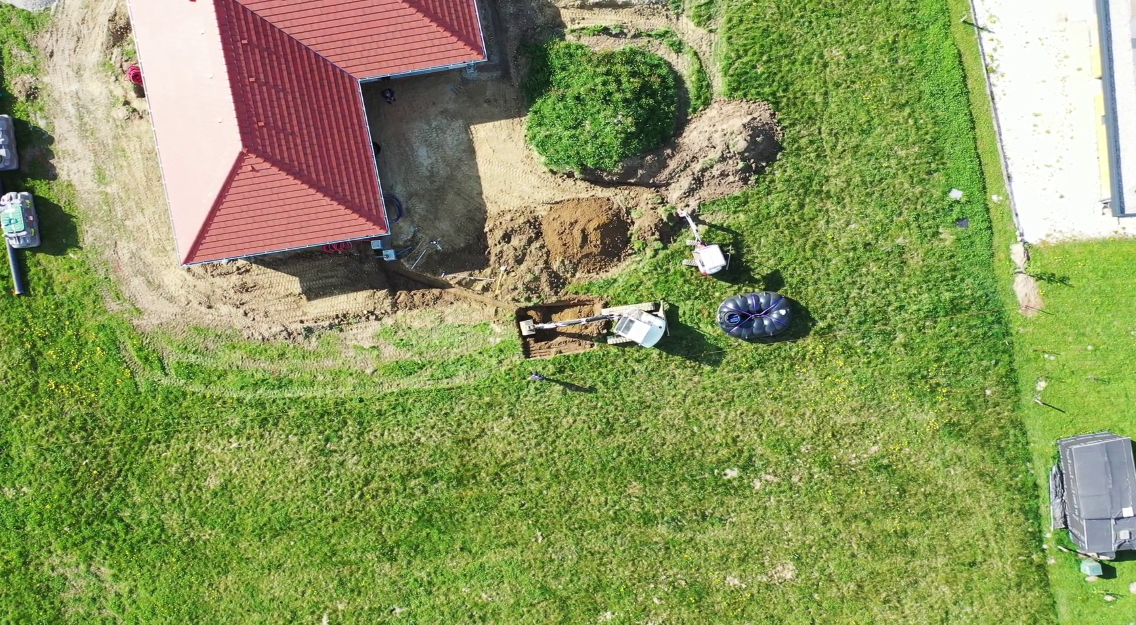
<point>872,469</point>
<point>1089,297</point>
<point>1080,354</point>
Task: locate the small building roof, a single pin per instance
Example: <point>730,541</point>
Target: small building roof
<point>1099,479</point>
<point>259,118</point>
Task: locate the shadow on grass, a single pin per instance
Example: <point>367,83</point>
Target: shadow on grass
<point>740,271</point>
<point>60,233</point>
<point>37,159</point>
<point>688,342</point>
<point>800,327</point>
<point>1127,555</point>
<point>571,386</point>
<point>1050,277</point>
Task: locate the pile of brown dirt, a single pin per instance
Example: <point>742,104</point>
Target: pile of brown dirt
<point>585,235</point>
<point>653,225</point>
<point>518,260</point>
<point>717,154</point>
<point>721,150</point>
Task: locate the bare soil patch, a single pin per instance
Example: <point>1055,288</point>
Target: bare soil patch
<point>25,87</point>
<point>717,154</point>
<point>571,339</point>
<point>585,235</point>
<point>652,225</point>
<point>1028,293</point>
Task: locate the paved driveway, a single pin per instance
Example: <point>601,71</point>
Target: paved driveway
<point>1040,56</point>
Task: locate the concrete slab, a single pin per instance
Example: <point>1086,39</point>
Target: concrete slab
<point>1047,94</point>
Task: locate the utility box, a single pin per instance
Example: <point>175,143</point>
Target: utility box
<point>381,247</point>
<point>1091,568</point>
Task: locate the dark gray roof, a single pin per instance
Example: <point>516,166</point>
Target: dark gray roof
<point>1099,478</point>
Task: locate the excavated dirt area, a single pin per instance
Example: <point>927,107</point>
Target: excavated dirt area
<point>586,235</point>
<point>481,211</point>
<point>717,154</point>
<point>566,340</point>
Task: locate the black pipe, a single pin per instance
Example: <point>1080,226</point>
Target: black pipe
<point>19,287</point>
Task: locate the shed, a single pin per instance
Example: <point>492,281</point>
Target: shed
<point>1093,492</point>
<point>258,114</point>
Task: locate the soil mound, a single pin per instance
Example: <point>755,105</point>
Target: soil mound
<point>717,154</point>
<point>720,151</point>
<point>654,226</point>
<point>587,234</point>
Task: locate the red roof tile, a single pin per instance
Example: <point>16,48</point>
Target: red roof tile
<point>264,205</point>
<point>305,174</point>
<point>372,38</point>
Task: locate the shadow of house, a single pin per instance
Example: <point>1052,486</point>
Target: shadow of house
<point>321,274</point>
<point>426,157</point>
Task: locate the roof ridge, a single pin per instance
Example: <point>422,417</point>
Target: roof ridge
<point>435,21</point>
<point>292,37</point>
<point>222,192</point>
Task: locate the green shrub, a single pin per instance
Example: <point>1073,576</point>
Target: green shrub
<point>595,109</point>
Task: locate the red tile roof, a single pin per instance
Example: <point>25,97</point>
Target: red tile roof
<point>372,38</point>
<point>264,204</point>
<point>305,173</point>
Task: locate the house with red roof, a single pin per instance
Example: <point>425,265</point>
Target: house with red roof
<point>258,111</point>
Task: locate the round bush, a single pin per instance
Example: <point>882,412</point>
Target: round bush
<point>595,109</point>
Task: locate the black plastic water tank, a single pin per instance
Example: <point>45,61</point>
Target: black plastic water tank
<point>755,315</point>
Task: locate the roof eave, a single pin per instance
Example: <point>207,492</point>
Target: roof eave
<point>367,237</point>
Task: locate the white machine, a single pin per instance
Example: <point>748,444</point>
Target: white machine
<point>708,258</point>
<point>643,324</point>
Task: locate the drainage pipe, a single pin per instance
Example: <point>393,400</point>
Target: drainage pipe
<point>19,287</point>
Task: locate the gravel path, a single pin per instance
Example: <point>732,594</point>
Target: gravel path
<point>1040,60</point>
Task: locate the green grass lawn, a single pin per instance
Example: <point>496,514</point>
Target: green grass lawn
<point>1082,350</point>
<point>872,470</point>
